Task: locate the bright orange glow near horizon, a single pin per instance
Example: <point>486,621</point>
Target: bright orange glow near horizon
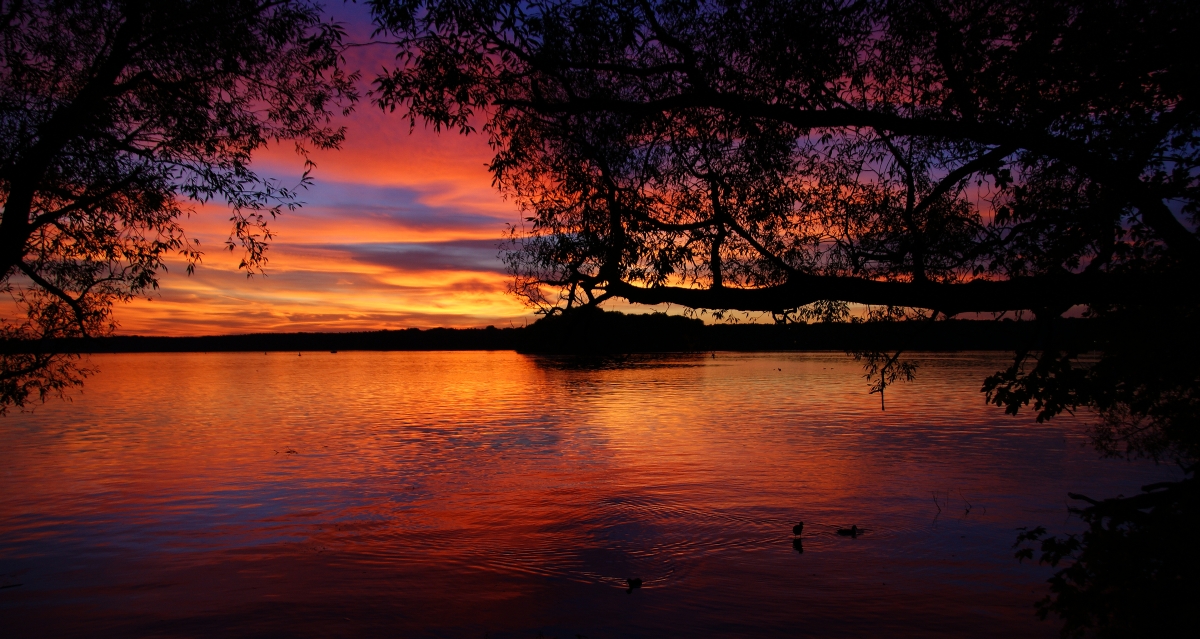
<point>271,490</point>
<point>382,241</point>
<point>398,230</point>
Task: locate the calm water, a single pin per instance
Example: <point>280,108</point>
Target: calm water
<point>493,494</point>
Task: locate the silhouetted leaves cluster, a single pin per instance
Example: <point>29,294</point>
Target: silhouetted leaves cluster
<point>920,159</point>
<point>907,156</point>
<point>765,156</point>
<point>1131,572</point>
<point>118,118</point>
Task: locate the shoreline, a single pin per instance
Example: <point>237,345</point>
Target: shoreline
<point>626,334</point>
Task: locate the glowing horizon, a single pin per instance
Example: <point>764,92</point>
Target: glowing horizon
<point>398,230</point>
<point>381,242</point>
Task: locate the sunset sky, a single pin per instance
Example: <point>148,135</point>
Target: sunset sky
<point>398,231</point>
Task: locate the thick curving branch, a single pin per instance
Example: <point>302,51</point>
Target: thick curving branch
<point>1050,293</point>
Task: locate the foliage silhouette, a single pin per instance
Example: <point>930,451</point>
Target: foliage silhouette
<point>922,159</point>
<point>117,118</point>
<point>1128,574</point>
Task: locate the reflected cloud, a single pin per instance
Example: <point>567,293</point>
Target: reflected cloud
<point>635,361</point>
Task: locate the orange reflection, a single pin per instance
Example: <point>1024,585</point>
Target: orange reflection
<point>449,493</point>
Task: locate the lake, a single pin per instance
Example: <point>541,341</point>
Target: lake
<point>492,494</point>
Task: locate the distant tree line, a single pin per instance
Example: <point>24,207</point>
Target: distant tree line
<point>603,334</point>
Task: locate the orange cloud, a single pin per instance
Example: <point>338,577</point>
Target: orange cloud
<point>399,229</point>
<point>396,231</point>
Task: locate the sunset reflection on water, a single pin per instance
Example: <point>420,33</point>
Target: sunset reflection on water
<point>472,494</point>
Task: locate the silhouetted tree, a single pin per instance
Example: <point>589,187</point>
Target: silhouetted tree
<point>1132,572</point>
<point>922,158</point>
<point>116,118</point>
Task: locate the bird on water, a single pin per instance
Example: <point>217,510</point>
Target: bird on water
<point>798,528</point>
<point>634,583</point>
<point>851,532</point>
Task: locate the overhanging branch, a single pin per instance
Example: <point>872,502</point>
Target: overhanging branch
<point>1054,293</point>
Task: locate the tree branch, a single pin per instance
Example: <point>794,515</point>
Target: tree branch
<point>80,315</point>
<point>980,296</point>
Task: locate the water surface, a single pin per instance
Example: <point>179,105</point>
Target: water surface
<point>473,494</point>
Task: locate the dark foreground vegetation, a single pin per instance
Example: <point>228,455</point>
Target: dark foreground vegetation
<point>1131,572</point>
<point>117,119</point>
<point>611,333</point>
<point>923,159</point>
